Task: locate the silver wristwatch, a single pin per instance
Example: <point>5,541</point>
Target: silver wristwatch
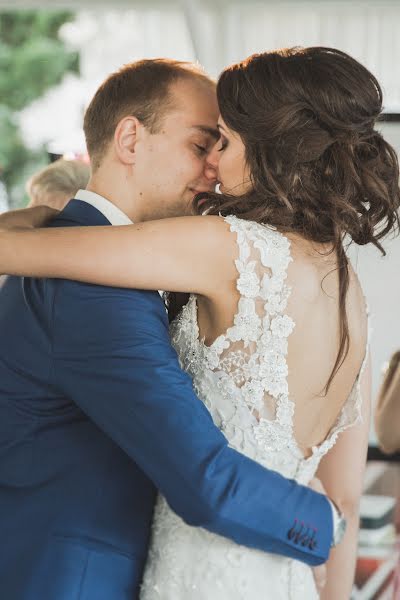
<point>339,524</point>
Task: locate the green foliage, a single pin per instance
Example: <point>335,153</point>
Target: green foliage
<point>32,60</point>
<point>10,143</point>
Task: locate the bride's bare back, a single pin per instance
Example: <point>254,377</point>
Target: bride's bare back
<point>313,345</point>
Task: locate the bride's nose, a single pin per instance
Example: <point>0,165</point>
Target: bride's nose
<point>213,157</point>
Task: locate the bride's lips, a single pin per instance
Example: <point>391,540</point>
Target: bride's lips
<point>202,202</point>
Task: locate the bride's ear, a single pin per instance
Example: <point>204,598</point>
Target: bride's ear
<point>126,135</point>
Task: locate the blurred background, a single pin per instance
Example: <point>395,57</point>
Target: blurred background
<point>54,54</point>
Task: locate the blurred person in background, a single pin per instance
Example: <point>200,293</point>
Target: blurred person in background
<point>50,189</point>
<point>387,413</point>
<point>57,183</point>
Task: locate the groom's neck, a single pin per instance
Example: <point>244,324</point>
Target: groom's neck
<point>109,187</point>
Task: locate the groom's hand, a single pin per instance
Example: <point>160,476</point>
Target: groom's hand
<point>320,573</point>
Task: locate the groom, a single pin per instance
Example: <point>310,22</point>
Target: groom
<point>95,413</point>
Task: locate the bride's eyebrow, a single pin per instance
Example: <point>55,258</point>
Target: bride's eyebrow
<point>211,131</point>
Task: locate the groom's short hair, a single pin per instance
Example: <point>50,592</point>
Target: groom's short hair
<point>140,89</point>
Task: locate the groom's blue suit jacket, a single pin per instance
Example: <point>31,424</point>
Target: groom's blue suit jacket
<point>95,414</point>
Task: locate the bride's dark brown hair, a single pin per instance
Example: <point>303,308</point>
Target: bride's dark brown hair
<point>318,166</point>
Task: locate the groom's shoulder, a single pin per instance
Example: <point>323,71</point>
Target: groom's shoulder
<point>98,317</point>
<point>70,292</point>
<point>84,300</point>
<point>77,303</point>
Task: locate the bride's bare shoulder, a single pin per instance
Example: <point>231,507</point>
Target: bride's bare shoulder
<point>314,269</point>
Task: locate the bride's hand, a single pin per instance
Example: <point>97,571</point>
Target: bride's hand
<point>320,576</point>
<point>14,223</point>
<point>27,218</point>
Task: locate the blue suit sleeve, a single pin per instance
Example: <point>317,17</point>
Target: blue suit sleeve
<point>112,356</point>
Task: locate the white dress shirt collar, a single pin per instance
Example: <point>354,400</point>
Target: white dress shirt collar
<point>107,208</point>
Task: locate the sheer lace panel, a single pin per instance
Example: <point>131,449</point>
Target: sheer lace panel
<point>249,359</point>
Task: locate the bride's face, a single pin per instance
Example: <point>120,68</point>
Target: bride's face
<point>228,158</point>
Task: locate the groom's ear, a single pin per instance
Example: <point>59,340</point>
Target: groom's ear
<point>126,136</point>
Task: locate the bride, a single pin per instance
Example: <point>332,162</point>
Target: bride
<point>275,330</point>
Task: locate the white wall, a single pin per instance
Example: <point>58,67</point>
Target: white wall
<point>225,32</point>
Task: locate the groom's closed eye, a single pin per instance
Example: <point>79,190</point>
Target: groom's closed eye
<point>203,145</point>
<point>201,149</point>
<point>204,139</point>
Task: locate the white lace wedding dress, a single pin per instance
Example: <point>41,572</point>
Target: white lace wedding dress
<point>242,379</point>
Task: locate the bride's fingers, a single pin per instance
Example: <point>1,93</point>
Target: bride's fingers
<point>316,485</point>
<point>27,218</point>
<point>320,575</point>
<point>40,215</point>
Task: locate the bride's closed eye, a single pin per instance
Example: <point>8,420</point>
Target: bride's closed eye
<point>224,144</point>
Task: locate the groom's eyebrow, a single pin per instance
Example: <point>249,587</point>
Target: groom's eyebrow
<point>212,131</point>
